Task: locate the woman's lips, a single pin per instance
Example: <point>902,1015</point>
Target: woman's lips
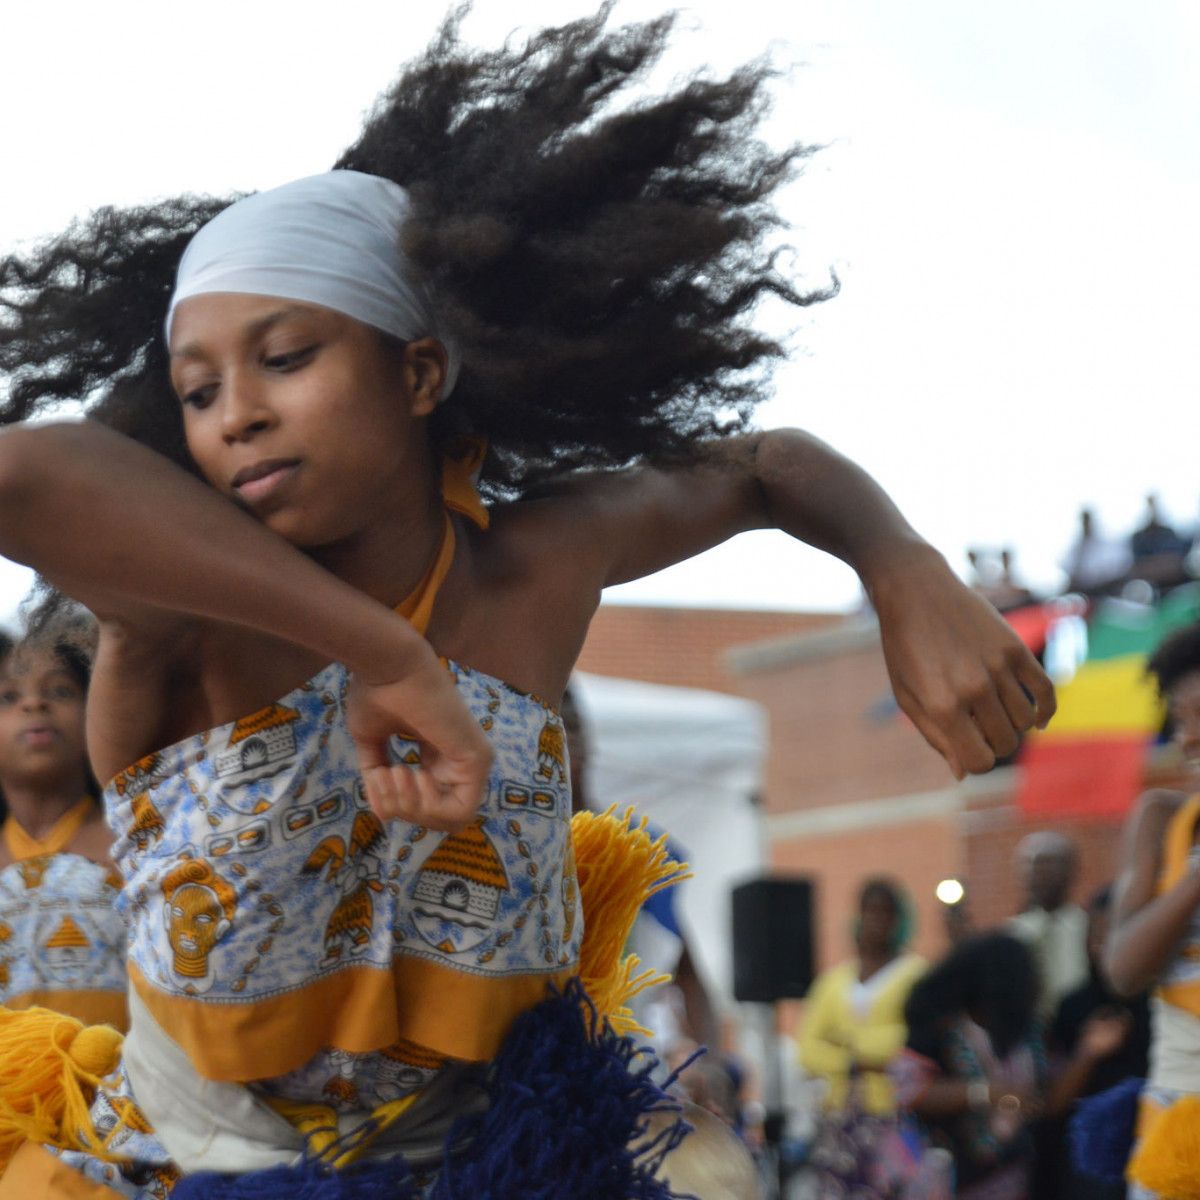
<point>259,482</point>
<point>42,735</point>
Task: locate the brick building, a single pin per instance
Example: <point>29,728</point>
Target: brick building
<point>851,787</point>
<point>685,647</point>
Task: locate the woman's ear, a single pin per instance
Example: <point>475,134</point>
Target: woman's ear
<point>425,363</point>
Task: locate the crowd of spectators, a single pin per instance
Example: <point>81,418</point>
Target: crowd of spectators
<point>1067,1025</point>
<point>957,1078</point>
<point>1097,564</point>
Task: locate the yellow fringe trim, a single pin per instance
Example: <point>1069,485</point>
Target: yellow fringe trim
<point>50,1067</point>
<point>619,867</point>
<point>1167,1157</point>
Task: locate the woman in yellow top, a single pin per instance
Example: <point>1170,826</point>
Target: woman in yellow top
<point>62,942</point>
<point>854,1026</point>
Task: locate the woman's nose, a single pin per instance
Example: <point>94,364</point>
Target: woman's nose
<point>244,410</point>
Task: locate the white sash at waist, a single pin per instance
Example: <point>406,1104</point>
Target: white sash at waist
<point>205,1125</point>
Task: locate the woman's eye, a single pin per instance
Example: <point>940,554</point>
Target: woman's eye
<point>63,693</point>
<point>289,361</point>
<point>9,696</point>
<point>199,397</point>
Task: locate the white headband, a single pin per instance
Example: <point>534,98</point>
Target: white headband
<point>332,240</point>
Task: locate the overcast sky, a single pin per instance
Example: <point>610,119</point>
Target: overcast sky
<point>1009,194</point>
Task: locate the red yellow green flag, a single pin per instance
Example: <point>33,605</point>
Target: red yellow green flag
<point>1089,761</point>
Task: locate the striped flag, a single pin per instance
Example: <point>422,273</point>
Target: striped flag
<point>1089,761</point>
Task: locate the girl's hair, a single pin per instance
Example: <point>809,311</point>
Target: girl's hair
<point>597,263</point>
<point>991,977</point>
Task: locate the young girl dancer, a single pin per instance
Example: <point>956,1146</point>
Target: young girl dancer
<point>62,944</point>
<point>334,670</point>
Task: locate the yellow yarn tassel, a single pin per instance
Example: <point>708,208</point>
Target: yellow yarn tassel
<point>619,867</point>
<point>1167,1158</point>
<point>50,1066</point>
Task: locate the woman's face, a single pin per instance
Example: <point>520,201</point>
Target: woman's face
<point>1184,702</point>
<point>877,922</point>
<point>302,416</point>
<point>41,722</point>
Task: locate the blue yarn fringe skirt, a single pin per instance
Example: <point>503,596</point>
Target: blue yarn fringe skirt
<point>568,1107</point>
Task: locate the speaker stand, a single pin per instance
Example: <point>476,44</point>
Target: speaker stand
<point>763,1022</point>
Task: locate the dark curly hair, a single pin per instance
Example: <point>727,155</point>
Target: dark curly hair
<point>991,977</point>
<point>1176,656</point>
<point>597,263</point>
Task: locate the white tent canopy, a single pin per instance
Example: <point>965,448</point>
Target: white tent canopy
<point>691,761</point>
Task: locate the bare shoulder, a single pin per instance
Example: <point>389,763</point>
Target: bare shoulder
<point>565,515</point>
<point>521,606</point>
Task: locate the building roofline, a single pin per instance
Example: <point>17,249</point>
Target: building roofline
<point>855,633</point>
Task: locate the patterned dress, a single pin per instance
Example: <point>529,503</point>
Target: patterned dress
<point>298,968</point>
<point>287,945</point>
<point>62,941</point>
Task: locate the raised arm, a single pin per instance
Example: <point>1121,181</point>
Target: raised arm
<point>1146,925</point>
<point>958,671</point>
<point>135,538</point>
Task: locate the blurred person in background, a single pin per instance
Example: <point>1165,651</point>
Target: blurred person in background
<point>1095,563</point>
<point>853,1027</point>
<point>957,921</point>
<point>1097,1039</point>
<point>62,944</point>
<point>973,1069</point>
<point>1053,927</point>
<point>995,579</point>
<point>1158,550</point>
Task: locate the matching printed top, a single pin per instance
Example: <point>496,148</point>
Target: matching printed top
<point>280,933</point>
<point>62,942</point>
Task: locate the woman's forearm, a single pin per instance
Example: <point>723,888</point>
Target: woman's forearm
<point>958,670</point>
<point>120,528</point>
<point>944,1098</point>
<point>1070,1084</point>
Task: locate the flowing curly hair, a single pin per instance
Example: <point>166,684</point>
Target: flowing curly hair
<point>597,261</point>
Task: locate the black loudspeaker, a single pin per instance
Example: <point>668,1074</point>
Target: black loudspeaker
<point>773,938</point>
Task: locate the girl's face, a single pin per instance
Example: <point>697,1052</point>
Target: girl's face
<point>41,721</point>
<point>301,415</point>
